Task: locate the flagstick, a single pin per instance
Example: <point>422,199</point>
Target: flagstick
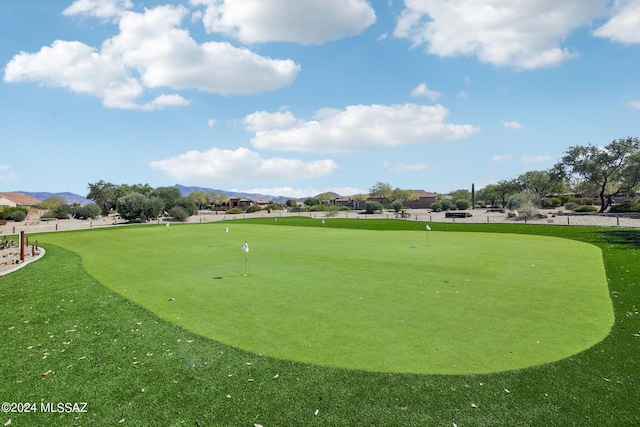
<point>246,263</point>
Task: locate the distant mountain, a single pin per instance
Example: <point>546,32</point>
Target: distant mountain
<point>186,190</point>
<point>70,198</point>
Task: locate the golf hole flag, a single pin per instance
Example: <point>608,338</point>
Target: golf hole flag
<point>428,228</point>
<point>245,247</point>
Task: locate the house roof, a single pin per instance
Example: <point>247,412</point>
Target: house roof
<point>422,193</point>
<point>21,199</point>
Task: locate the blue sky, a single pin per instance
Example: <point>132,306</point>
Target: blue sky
<point>294,98</point>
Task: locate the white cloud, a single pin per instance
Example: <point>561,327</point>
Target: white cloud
<point>624,25</point>
<point>521,34</point>
<point>501,158</point>
<point>240,165</point>
<point>634,103</point>
<point>103,9</point>
<point>512,125</point>
<point>6,174</point>
<point>401,167</point>
<point>78,67</point>
<point>300,21</point>
<point>150,45</point>
<point>356,128</point>
<point>536,159</point>
<point>211,122</point>
<point>423,90</point>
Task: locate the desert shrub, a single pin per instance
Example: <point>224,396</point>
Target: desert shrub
<point>447,204</point>
<point>570,206</point>
<point>626,206</point>
<point>436,206</point>
<point>253,208</point>
<point>188,205</point>
<point>396,205</point>
<point>588,201</point>
<point>17,216</point>
<point>586,208</point>
<point>550,202</point>
<point>528,209</point>
<point>523,200</point>
<point>178,213</point>
<point>61,211</point>
<point>372,207</point>
<point>234,211</point>
<point>7,212</point>
<point>90,210</point>
<point>274,207</point>
<point>462,204</point>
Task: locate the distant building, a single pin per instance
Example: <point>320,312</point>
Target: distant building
<point>423,201</point>
<point>11,200</point>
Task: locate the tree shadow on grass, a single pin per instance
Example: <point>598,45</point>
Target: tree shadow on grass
<point>626,238</point>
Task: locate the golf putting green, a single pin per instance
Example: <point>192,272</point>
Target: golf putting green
<point>390,301</point>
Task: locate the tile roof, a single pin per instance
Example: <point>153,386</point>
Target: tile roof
<point>21,199</point>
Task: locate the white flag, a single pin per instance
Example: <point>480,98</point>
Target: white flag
<point>245,247</point>
<point>428,228</point>
<point>226,230</point>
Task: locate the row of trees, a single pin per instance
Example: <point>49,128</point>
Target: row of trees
<point>604,172</point>
<point>141,202</point>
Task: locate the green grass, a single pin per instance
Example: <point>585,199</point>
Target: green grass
<point>363,299</point>
<point>105,350</point>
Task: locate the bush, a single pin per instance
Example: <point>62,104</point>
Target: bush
<point>188,205</point>
<point>253,208</point>
<point>462,204</point>
<point>586,208</point>
<point>550,202</point>
<point>570,206</point>
<point>626,206</point>
<point>436,206</point>
<point>446,204</point>
<point>179,213</point>
<point>90,210</point>
<point>523,199</point>
<point>372,207</point>
<point>17,216</point>
<point>7,212</point>
<point>61,211</point>
<point>588,201</point>
<point>396,205</point>
<point>234,211</point>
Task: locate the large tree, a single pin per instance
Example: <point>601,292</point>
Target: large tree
<point>381,191</point>
<point>104,194</point>
<point>612,169</point>
<point>543,183</point>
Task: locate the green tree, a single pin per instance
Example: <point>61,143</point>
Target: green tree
<point>168,195</point>
<point>381,191</point>
<point>200,198</point>
<point>104,194</point>
<point>312,201</point>
<point>543,183</point>
<point>506,188</point>
<point>188,205</point>
<point>612,169</point>
<point>326,198</point>
<point>403,196</point>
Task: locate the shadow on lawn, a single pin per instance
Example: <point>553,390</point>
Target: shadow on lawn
<point>626,238</point>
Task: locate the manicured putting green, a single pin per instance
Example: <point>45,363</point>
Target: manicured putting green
<point>386,301</point>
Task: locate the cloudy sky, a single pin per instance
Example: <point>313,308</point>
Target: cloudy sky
<point>298,97</point>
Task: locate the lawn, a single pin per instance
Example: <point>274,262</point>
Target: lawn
<point>129,364</point>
